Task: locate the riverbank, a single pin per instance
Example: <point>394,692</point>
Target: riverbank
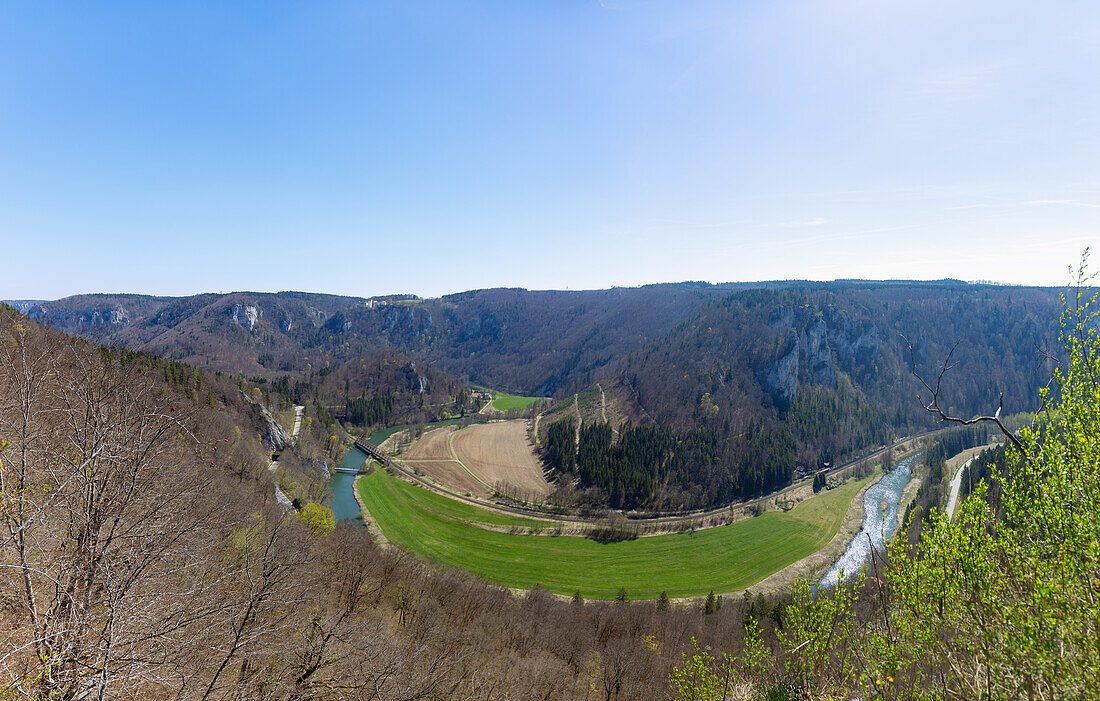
<point>812,567</point>
<point>366,517</point>
<point>881,509</point>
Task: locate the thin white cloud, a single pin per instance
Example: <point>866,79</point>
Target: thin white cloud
<point>1066,203</point>
<point>816,221</point>
<point>969,206</point>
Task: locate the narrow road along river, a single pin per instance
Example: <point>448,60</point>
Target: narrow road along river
<point>878,522</point>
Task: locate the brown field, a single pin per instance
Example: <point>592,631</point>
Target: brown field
<point>431,456</point>
<point>499,454</point>
<point>451,474</point>
<point>431,446</point>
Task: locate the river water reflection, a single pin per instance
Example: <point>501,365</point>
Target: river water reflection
<point>878,523</point>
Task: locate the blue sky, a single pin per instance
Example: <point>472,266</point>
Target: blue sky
<point>432,147</point>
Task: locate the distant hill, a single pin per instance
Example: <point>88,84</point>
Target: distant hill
<point>236,332</point>
<point>22,305</point>
<point>530,342</point>
<point>771,375</point>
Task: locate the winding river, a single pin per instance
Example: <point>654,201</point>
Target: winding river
<point>342,484</point>
<point>878,523</point>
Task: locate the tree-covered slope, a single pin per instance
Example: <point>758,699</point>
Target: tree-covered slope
<point>766,377</point>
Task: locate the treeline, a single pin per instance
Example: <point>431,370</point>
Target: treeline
<point>375,411</point>
<point>560,451</point>
<point>982,468</point>
<point>950,444</point>
<point>829,422</point>
<point>657,468</point>
<point>180,377</point>
<point>378,389</point>
<point>762,459</point>
<point>632,469</point>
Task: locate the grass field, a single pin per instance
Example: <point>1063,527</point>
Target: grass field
<point>724,559</point>
<point>404,494</point>
<point>506,402</point>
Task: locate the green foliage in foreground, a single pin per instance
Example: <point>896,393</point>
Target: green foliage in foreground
<point>318,519</point>
<point>1003,602</point>
<point>724,559</point>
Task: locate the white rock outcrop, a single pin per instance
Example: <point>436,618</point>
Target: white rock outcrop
<point>246,315</point>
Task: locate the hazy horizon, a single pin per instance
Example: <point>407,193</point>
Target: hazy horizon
<point>988,283</point>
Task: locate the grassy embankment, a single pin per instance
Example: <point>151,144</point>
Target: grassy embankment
<point>724,559</point>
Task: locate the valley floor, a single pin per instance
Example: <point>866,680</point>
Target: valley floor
<point>723,559</point>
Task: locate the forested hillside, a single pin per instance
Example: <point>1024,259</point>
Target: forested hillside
<point>770,377</point>
<point>772,380</point>
<point>144,556</point>
<point>528,341</point>
<point>838,350</point>
<point>802,377</point>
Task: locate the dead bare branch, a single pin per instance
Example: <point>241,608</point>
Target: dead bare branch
<point>932,404</point>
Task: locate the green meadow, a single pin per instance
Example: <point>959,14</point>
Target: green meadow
<point>503,401</point>
<point>724,559</point>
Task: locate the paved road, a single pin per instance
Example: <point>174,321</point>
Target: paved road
<point>956,484</point>
<point>279,496</point>
<point>297,420</point>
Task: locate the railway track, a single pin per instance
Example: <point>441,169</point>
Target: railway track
<point>386,459</point>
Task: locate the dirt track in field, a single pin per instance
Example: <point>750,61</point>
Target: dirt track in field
<point>451,474</point>
<point>431,455</point>
<point>431,446</point>
<point>499,453</point>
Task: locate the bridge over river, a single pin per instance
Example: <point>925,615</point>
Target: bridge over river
<point>371,451</point>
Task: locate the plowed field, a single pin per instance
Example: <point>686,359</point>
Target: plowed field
<point>500,455</point>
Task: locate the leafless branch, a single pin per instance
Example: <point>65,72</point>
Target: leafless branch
<point>932,403</point>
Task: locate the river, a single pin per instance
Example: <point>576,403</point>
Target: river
<point>878,523</point>
<point>342,484</point>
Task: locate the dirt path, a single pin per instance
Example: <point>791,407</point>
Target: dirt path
<point>454,456</point>
<point>577,413</point>
<point>500,455</point>
<point>432,455</point>
<point>431,446</point>
<point>535,433</point>
<point>603,410</point>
